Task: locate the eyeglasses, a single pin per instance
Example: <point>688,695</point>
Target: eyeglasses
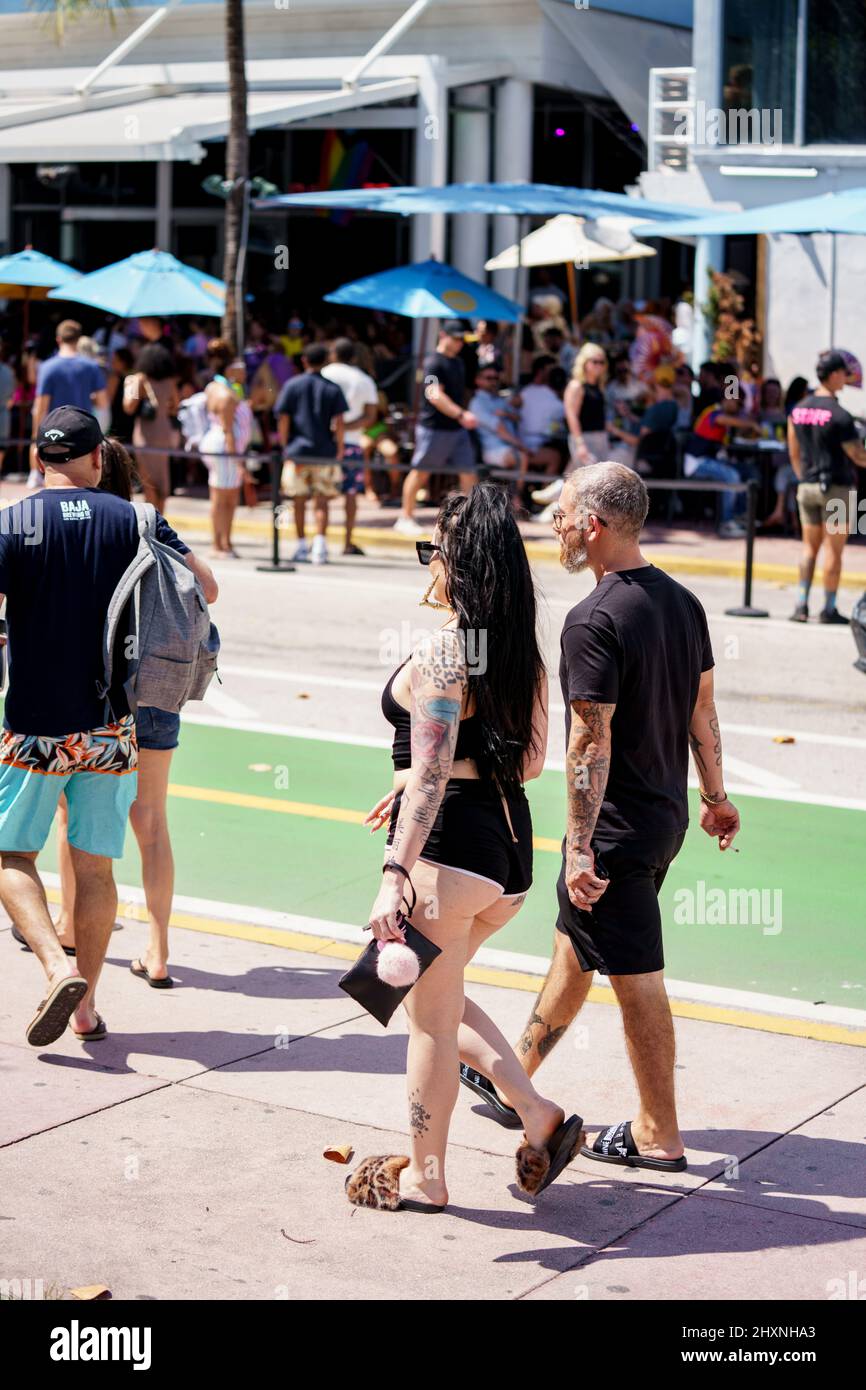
<point>426,550</point>
<point>558,518</point>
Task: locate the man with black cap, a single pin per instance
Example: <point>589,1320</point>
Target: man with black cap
<point>442,440</point>
<point>62,554</point>
<point>823,443</point>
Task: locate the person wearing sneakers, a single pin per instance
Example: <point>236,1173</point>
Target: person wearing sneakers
<point>310,411</point>
<point>823,443</point>
<point>62,555</point>
<point>362,394</point>
<point>636,672</point>
<point>442,440</point>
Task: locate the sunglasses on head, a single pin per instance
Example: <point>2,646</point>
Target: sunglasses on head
<point>426,550</point>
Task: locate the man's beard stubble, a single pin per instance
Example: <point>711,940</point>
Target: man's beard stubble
<point>572,552</point>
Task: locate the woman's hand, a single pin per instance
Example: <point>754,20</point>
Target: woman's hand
<point>381,813</point>
<point>385,910</point>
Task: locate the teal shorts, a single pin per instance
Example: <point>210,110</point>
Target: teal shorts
<point>98,773</point>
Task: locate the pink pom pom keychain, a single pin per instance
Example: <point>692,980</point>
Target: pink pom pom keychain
<point>397,965</point>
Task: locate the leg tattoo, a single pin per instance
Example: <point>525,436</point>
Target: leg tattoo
<point>418,1116</point>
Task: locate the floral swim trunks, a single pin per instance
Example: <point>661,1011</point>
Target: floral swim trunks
<point>98,772</point>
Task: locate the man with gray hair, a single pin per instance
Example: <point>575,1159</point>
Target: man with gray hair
<point>637,682</point>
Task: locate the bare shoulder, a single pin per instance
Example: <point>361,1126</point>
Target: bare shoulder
<point>439,660</point>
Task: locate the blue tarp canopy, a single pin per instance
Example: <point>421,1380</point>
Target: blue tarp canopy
<point>829,212</point>
<point>515,199</point>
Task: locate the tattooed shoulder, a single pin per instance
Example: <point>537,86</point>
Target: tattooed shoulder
<point>440,660</point>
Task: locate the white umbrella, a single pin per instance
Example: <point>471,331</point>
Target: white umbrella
<point>569,241</point>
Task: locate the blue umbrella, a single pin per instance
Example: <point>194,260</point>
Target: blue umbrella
<point>521,199</point>
<point>150,282</point>
<point>427,290</point>
<point>29,269</point>
<point>828,212</point>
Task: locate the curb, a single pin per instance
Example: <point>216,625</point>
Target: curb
<point>541,552</point>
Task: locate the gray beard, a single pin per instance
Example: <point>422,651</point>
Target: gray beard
<point>574,558</point>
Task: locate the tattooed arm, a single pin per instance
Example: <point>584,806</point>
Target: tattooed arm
<point>439,681</point>
<point>587,763</point>
<point>719,818</point>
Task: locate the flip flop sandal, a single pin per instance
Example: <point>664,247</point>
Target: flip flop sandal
<point>616,1145</point>
<point>55,1011</point>
<point>19,937</point>
<point>503,1114</point>
<point>538,1168</point>
<point>376,1183</point>
<point>143,974</point>
<point>95,1034</point>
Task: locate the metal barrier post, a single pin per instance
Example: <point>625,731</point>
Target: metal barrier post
<point>746,609</point>
<point>276,565</point>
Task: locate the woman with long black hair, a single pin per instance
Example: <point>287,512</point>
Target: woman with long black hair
<point>469,711</point>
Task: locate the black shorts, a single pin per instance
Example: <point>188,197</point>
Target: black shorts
<point>471,833</point>
<point>622,935</point>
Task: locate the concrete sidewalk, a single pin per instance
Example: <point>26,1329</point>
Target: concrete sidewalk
<point>182,1157</point>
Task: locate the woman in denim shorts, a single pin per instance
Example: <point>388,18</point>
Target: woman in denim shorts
<point>157,731</point>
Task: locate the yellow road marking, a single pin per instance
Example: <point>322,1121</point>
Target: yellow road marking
<point>505,979</point>
<point>299,808</point>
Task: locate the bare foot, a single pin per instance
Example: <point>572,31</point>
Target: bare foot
<point>421,1189</point>
<point>653,1144</point>
<point>541,1121</point>
<point>157,969</point>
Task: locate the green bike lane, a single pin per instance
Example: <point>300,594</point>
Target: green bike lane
<point>251,823</point>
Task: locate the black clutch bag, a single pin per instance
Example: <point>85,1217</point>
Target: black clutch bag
<point>363,983</point>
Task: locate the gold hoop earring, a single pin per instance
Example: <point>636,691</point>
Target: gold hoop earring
<point>427,602</point>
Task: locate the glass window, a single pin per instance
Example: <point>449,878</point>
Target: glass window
<point>835,111</point>
<point>759,70</point>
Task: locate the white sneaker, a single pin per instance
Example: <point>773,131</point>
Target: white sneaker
<point>732,531</point>
<point>550,493</point>
<point>320,551</point>
<point>302,553</point>
<point>407,526</point>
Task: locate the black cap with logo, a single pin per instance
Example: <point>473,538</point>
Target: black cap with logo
<point>67,433</point>
<point>456,328</point>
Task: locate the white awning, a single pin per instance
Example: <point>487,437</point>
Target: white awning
<point>161,121</point>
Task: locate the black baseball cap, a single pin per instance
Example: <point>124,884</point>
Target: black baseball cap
<point>456,328</point>
<point>67,433</point>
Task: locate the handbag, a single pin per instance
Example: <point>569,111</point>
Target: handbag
<point>363,983</point>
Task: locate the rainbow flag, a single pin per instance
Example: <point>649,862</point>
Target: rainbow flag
<point>343,168</point>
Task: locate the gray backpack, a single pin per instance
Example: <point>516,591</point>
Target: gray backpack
<point>172,645</point>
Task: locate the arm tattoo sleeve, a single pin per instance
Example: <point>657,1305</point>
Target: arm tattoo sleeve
<point>587,765</point>
<point>438,688</point>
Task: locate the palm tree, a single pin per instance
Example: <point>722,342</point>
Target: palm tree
<point>237,147</point>
<point>237,174</point>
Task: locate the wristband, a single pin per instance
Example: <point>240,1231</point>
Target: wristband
<point>709,800</point>
<point>392,864</point>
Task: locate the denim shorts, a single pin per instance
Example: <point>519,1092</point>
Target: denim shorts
<point>157,729</point>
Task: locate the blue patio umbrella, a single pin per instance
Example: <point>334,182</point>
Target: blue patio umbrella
<point>149,282</point>
<point>426,290</point>
<point>843,212</point>
<point>28,275</point>
<point>515,199</point>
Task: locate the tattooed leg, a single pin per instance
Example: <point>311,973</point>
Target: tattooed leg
<point>558,1004</point>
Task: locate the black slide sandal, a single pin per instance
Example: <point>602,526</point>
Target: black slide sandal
<point>143,974</point>
<point>412,1204</point>
<point>22,941</point>
<point>503,1114</point>
<point>55,1011</point>
<point>538,1168</point>
<point>616,1145</point>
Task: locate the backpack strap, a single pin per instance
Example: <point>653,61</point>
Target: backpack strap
<point>128,587</point>
<point>146,513</point>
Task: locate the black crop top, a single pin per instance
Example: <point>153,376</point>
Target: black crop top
<point>468,734</point>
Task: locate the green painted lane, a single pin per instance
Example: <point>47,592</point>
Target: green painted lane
<point>801,866</point>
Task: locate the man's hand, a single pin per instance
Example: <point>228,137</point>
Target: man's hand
<point>468,420</point>
<point>583,884</point>
<point>721,821</point>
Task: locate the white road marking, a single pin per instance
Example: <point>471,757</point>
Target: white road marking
<point>494,959</point>
<point>227,704</point>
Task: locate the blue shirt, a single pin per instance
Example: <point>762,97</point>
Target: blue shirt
<point>69,381</point>
<point>62,554</point>
<point>490,411</point>
<point>312,402</point>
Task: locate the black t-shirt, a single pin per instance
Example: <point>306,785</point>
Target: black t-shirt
<point>450,373</point>
<point>822,426</point>
<point>62,554</point>
<point>639,641</point>
<point>311,401</point>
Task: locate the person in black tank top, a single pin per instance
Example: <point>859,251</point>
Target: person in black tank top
<point>469,712</point>
<point>585,408</point>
